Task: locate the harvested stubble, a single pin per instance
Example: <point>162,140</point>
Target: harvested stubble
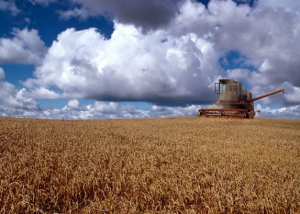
<point>172,165</point>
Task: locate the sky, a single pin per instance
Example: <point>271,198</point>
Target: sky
<point>99,59</point>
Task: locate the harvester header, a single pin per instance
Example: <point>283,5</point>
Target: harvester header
<point>234,101</point>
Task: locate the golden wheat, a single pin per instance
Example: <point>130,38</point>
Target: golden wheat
<point>171,165</point>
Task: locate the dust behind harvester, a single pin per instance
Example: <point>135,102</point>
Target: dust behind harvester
<point>234,101</point>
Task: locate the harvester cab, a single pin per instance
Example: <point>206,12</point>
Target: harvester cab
<point>229,90</point>
<point>234,100</point>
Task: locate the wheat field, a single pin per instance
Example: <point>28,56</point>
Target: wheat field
<point>168,165</point>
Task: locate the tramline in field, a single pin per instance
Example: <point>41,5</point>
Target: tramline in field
<point>234,101</point>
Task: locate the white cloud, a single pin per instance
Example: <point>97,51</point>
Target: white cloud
<point>81,13</point>
<point>2,74</point>
<point>27,20</point>
<point>9,6</point>
<point>147,14</point>
<point>177,65</point>
<point>42,2</point>
<point>103,110</point>
<point>238,73</point>
<point>73,104</point>
<point>13,98</point>
<point>100,110</point>
<point>43,93</point>
<point>23,98</point>
<point>269,39</point>
<point>289,5</point>
<point>110,108</point>
<point>25,47</point>
<point>19,103</point>
<point>292,112</point>
<point>272,48</point>
<point>292,94</point>
<point>163,111</point>
<point>130,66</point>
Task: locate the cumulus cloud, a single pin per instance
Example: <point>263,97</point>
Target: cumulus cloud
<point>104,110</point>
<point>13,98</point>
<point>42,2</point>
<point>43,93</point>
<point>163,111</point>
<point>147,14</point>
<point>237,73</point>
<point>20,103</point>
<point>269,46</point>
<point>292,94</point>
<point>73,104</point>
<point>99,110</point>
<point>272,48</point>
<point>292,112</point>
<point>81,13</point>
<point>130,66</point>
<point>177,65</point>
<point>2,74</point>
<point>289,5</point>
<point>25,47</point>
<point>9,6</point>
<point>109,108</point>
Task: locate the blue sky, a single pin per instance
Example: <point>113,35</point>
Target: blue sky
<point>96,59</point>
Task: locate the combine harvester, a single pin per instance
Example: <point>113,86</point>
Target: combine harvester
<point>234,101</point>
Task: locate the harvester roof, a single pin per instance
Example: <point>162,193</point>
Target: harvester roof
<point>224,81</point>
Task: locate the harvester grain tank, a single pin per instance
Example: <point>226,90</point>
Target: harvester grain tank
<point>234,101</point>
